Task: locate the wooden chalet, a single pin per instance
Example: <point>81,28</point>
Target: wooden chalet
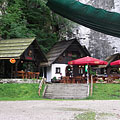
<point>26,54</point>
<point>108,68</point>
<point>59,55</point>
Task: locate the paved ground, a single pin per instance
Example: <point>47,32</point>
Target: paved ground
<point>57,110</point>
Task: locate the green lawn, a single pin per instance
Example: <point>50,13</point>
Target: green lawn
<point>19,92</point>
<point>30,92</point>
<point>105,92</point>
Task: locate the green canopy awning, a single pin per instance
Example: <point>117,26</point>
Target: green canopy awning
<point>88,16</point>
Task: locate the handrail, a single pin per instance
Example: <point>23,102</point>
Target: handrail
<point>45,90</point>
<point>40,85</point>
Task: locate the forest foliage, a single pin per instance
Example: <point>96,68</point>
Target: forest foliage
<point>32,18</point>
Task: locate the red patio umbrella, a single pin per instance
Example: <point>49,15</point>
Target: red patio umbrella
<point>87,61</point>
<point>117,62</point>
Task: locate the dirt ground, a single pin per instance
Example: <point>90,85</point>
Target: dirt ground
<point>58,110</point>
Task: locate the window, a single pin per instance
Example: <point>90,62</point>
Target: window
<point>57,69</point>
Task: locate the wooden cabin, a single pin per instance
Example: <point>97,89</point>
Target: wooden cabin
<point>58,58</point>
<point>108,69</point>
<point>26,54</point>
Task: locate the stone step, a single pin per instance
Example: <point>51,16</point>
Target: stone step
<point>67,84</point>
<point>66,91</point>
<point>76,93</point>
<point>67,87</point>
<point>83,93</point>
<point>66,97</point>
<point>57,96</point>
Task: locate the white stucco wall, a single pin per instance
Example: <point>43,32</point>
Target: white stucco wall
<point>62,68</point>
<point>49,74</point>
<point>51,71</point>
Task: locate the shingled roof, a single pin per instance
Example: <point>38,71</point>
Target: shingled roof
<point>109,59</point>
<point>13,48</point>
<point>58,49</point>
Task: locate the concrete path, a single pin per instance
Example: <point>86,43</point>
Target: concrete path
<point>58,110</point>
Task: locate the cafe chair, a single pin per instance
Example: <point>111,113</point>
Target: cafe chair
<point>36,75</point>
<point>21,74</point>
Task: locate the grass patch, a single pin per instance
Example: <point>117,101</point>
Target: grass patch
<point>20,92</point>
<point>86,116</point>
<point>90,115</point>
<point>105,92</point>
<point>105,114</point>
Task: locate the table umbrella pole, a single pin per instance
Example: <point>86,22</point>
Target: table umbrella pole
<point>88,75</point>
<point>91,87</point>
<point>88,79</point>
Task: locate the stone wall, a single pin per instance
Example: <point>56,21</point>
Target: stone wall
<point>2,81</point>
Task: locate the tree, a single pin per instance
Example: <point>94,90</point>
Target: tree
<point>12,22</point>
<point>28,18</point>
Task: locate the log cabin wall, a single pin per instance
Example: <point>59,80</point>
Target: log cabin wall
<point>24,51</point>
<point>74,51</point>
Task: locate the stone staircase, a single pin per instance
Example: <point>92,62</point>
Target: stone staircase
<point>66,91</point>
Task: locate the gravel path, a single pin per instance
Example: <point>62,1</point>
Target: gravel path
<point>58,110</point>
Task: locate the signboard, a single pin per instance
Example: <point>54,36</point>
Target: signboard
<point>12,60</point>
<point>28,58</point>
